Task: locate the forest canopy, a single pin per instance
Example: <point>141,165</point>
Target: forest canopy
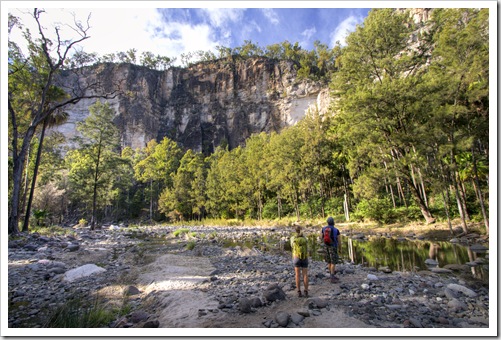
<point>407,138</point>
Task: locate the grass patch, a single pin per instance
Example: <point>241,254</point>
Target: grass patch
<point>180,231</point>
<point>76,314</point>
<point>53,231</point>
<point>191,245</point>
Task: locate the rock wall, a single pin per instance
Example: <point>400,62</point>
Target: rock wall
<point>204,105</point>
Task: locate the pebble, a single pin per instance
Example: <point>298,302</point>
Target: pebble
<point>265,278</point>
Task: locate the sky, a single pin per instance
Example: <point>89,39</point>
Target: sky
<point>193,26</point>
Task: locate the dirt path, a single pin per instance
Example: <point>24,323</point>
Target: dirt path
<point>176,283</point>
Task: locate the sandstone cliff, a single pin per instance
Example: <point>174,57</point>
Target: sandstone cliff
<point>204,105</point>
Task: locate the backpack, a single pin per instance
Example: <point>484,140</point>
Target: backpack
<point>300,247</point>
<point>327,236</point>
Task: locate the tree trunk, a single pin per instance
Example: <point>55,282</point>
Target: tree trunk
<point>26,180</point>
<point>480,196</point>
<point>419,200</point>
<point>17,174</point>
<point>94,194</point>
<point>34,180</point>
<point>463,199</point>
<point>460,206</point>
<point>151,200</point>
<point>446,206</point>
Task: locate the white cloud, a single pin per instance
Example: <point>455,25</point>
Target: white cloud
<point>219,17</point>
<point>120,29</point>
<point>271,15</point>
<point>344,28</point>
<point>307,33</point>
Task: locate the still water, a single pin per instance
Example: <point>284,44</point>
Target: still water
<point>396,254</point>
<point>407,255</point>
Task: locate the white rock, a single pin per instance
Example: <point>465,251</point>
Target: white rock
<point>365,286</point>
<point>85,270</point>
<point>372,277</point>
<point>462,289</point>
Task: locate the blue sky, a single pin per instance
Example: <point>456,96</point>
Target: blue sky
<point>266,26</point>
<point>188,26</point>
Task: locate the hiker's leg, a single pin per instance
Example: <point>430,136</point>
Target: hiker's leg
<point>305,278</point>
<point>298,282</point>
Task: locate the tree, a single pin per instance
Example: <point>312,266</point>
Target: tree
<point>382,100</point>
<point>187,195</point>
<point>94,162</point>
<point>55,119</point>
<point>31,80</point>
<point>459,77</point>
<point>157,164</point>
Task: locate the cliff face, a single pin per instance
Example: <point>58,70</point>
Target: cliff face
<point>202,106</point>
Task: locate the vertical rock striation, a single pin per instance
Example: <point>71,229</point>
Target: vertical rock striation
<point>202,106</point>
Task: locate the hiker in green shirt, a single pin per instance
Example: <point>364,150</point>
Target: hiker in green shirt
<point>299,246</point>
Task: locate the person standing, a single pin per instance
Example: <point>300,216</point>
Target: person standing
<point>331,238</point>
<point>299,246</point>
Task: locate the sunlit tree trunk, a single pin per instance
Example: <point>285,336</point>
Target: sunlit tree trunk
<point>479,192</point>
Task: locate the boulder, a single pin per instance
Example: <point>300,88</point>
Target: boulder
<point>244,305</point>
<point>282,318</point>
<point>82,271</point>
<point>458,288</point>
<point>274,293</point>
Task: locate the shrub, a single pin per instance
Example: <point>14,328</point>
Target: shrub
<point>377,209</point>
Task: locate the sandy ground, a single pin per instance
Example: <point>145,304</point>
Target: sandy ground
<point>176,281</point>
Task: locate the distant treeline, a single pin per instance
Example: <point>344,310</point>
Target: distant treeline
<point>406,139</point>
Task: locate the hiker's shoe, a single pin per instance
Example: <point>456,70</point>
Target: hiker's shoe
<point>306,293</point>
<point>299,293</point>
<point>334,279</point>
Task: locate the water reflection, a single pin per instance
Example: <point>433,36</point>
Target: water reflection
<point>380,252</point>
<point>407,255</point>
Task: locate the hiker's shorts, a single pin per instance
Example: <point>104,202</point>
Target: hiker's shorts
<point>297,262</point>
<point>331,255</point>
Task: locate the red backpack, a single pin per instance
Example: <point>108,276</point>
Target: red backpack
<point>327,236</point>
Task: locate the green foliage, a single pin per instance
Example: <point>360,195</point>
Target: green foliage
<point>180,232</point>
<point>191,245</point>
<point>93,166</point>
<point>377,209</point>
<point>407,127</point>
<point>52,231</point>
<point>40,216</point>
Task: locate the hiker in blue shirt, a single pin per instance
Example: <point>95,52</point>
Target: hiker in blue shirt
<point>299,246</point>
<point>331,238</point>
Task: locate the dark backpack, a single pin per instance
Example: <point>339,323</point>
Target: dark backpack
<point>327,236</point>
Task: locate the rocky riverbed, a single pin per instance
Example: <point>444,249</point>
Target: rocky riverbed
<point>224,277</point>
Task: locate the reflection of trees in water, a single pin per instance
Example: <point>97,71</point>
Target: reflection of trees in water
<point>405,255</point>
<point>399,255</point>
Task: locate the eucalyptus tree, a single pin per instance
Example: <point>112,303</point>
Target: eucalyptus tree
<point>254,160</point>
<point>56,118</point>
<point>156,166</point>
<point>382,103</point>
<point>459,76</point>
<point>92,164</point>
<point>284,168</point>
<point>32,77</point>
<point>186,197</point>
<point>216,203</point>
<point>316,165</point>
